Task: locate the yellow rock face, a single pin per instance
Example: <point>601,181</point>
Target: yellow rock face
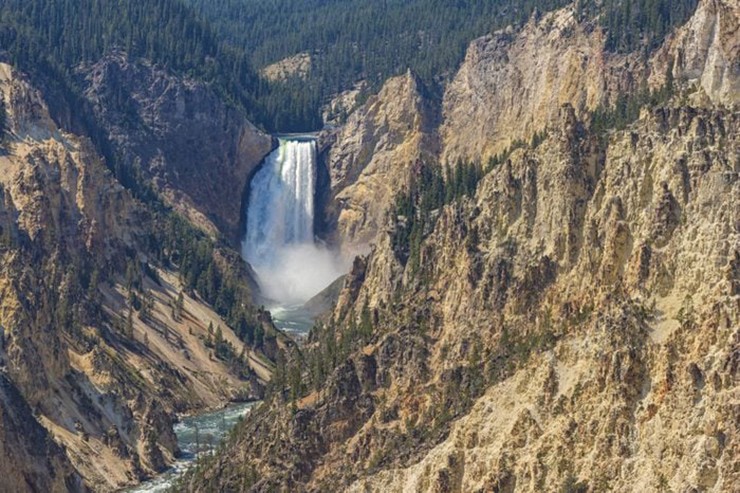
<point>372,159</point>
<point>574,326</point>
<point>104,395</point>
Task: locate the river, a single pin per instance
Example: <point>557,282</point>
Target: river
<point>212,427</point>
<point>205,430</point>
<point>295,320</point>
<point>291,267</point>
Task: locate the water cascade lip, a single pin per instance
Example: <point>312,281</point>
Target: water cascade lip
<point>279,241</point>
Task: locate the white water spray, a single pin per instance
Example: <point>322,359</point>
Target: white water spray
<point>279,243</point>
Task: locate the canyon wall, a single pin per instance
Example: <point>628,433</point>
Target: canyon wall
<point>198,151</point>
<point>94,363</point>
<point>572,325</point>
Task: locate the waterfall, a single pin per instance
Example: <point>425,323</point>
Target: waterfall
<point>279,241</point>
<point>281,202</point>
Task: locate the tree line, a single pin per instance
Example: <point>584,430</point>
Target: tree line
<point>53,37</point>
<point>352,40</point>
<point>223,42</point>
<point>632,25</point>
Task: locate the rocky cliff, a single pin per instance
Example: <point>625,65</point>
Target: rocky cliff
<point>370,158</point>
<point>571,324</point>
<point>101,340</point>
<point>508,91</point>
<point>197,150</point>
<point>595,297</point>
<point>704,52</point>
<point>512,83</point>
<point>575,323</point>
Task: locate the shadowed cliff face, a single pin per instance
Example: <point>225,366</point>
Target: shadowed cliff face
<point>570,326</point>
<point>198,151</point>
<point>30,456</point>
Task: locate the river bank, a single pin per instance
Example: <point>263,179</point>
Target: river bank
<point>196,435</point>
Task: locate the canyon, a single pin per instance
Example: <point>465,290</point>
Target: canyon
<point>94,386</point>
<point>519,275</point>
<point>569,325</point>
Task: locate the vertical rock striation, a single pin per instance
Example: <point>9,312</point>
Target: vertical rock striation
<point>372,156</point>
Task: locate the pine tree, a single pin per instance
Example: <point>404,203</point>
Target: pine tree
<point>3,119</point>
<point>130,277</point>
<point>295,382</point>
<point>219,341</point>
<point>366,325</point>
<point>209,335</point>
<point>259,336</point>
<point>92,287</point>
<point>130,324</point>
<point>147,305</point>
<point>179,306</point>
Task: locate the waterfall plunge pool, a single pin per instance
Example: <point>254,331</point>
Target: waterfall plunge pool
<point>296,320</point>
<point>280,243</point>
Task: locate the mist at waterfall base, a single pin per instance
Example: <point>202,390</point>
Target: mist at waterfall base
<point>279,242</point>
<point>299,273</point>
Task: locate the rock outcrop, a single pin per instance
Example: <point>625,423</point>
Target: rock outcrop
<point>511,84</point>
<point>613,289</point>
<point>509,89</point>
<point>370,158</point>
<point>296,66</point>
<point>198,151</point>
<point>705,52</point>
<point>573,325</point>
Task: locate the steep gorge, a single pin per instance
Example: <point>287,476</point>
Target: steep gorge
<point>590,303</point>
<point>546,296</point>
<point>587,299</point>
<point>572,325</point>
